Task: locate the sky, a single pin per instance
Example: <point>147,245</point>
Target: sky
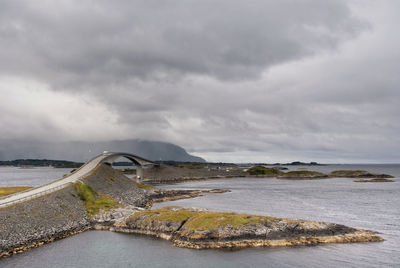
<point>233,81</point>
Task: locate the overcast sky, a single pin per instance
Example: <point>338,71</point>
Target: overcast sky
<point>251,80</point>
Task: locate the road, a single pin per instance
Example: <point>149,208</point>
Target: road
<point>83,171</point>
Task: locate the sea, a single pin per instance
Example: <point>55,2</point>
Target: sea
<point>371,206</point>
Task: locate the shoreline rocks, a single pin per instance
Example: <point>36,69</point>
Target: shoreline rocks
<point>62,213</point>
<point>358,174</point>
<point>40,240</point>
<point>375,180</point>
<point>201,229</point>
<point>172,175</point>
<point>302,175</point>
<point>159,195</point>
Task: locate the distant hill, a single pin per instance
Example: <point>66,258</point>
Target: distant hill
<point>82,151</point>
<point>40,163</point>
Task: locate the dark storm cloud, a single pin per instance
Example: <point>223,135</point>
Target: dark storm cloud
<point>232,80</point>
<point>79,42</point>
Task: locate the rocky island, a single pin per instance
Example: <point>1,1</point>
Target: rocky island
<point>358,174</point>
<point>199,229</point>
<point>276,172</point>
<point>375,180</point>
<point>193,172</point>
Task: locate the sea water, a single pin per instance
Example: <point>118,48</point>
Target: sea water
<point>371,206</point>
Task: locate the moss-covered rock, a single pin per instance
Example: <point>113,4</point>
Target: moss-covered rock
<point>302,175</point>
<point>358,174</point>
<point>260,170</point>
<point>374,180</point>
<point>197,228</point>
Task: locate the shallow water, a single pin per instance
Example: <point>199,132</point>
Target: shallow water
<point>373,206</point>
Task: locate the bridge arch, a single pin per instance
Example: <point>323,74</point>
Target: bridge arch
<point>140,162</point>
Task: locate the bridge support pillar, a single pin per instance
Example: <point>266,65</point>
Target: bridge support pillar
<point>139,173</point>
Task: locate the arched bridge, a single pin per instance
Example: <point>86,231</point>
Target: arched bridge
<point>139,162</point>
<point>83,171</point>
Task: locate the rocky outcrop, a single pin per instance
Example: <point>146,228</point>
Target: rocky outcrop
<point>161,174</point>
<point>358,174</point>
<point>199,228</point>
<point>375,180</point>
<point>159,195</point>
<point>302,175</point>
<point>113,217</point>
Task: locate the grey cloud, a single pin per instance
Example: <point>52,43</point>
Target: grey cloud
<point>282,80</point>
<point>83,42</point>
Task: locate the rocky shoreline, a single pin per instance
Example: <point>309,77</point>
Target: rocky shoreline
<point>62,213</point>
<point>171,195</point>
<point>67,212</point>
<point>170,175</point>
<point>41,240</point>
<point>201,229</point>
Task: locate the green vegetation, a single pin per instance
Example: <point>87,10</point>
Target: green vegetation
<point>85,192</point>
<point>374,180</point>
<point>127,170</point>
<point>358,174</point>
<point>260,170</point>
<point>94,201</point>
<point>348,173</point>
<point>191,166</point>
<point>12,190</point>
<point>144,186</point>
<point>303,173</point>
<point>173,214</point>
<point>200,220</point>
<point>214,220</point>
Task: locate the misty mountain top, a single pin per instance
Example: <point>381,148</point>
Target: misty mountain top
<point>80,151</point>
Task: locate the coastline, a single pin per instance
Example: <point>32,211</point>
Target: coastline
<point>33,233</point>
<point>264,232</point>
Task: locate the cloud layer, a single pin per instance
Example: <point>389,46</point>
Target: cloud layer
<point>268,80</point>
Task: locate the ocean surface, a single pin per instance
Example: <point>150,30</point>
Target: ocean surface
<point>372,206</point>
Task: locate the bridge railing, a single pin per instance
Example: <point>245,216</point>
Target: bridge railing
<point>53,189</point>
<point>35,195</point>
<point>43,186</point>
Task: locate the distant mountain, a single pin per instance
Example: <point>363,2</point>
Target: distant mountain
<point>82,151</point>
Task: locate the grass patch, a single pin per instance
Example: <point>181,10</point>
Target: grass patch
<point>189,166</point>
<point>303,173</point>
<point>346,173</point>
<point>12,190</point>
<point>144,186</point>
<point>358,174</point>
<point>199,220</point>
<point>173,214</point>
<point>374,180</point>
<point>94,201</point>
<point>127,170</point>
<point>85,192</point>
<point>260,170</point>
<point>214,220</point>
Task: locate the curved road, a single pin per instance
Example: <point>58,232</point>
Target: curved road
<point>106,157</point>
